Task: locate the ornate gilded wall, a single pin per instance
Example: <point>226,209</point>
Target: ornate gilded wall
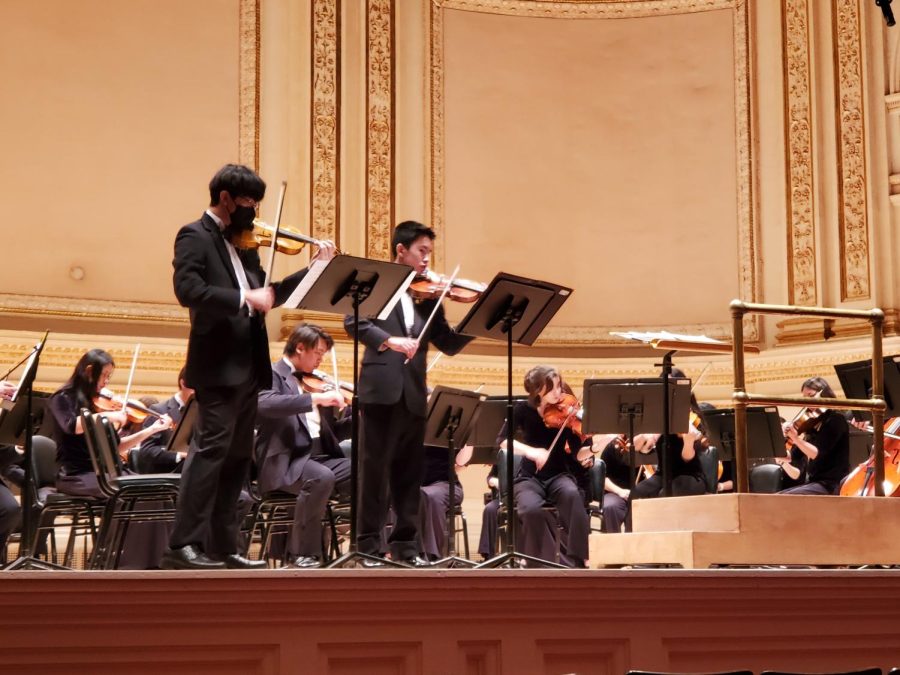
<point>659,156</point>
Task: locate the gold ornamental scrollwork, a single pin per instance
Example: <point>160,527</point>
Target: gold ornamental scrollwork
<point>248,82</point>
<point>379,127</point>
<point>325,120</point>
<point>801,266</point>
<point>852,209</point>
<point>748,241</point>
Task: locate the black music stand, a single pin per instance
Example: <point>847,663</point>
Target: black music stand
<point>632,407</point>
<point>17,425</point>
<point>856,381</point>
<point>180,440</point>
<point>487,427</point>
<point>451,418</point>
<point>765,438</point>
<point>513,309</point>
<point>358,287</point>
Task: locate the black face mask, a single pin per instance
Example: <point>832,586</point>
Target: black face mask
<point>242,218</point>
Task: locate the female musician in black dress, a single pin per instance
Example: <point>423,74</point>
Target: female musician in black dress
<point>548,474</point>
<point>76,472</point>
<point>820,457</point>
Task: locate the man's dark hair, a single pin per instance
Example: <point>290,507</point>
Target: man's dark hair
<point>181,376</point>
<point>238,181</point>
<point>407,232</point>
<point>308,335</point>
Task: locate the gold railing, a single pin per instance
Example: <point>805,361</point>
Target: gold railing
<point>742,398</point>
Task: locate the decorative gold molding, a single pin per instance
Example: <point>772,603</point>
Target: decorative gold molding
<point>748,246</point>
<point>852,210</point>
<point>801,233</point>
<point>248,82</point>
<point>92,310</point>
<point>379,127</point>
<point>325,137</point>
<point>585,9</point>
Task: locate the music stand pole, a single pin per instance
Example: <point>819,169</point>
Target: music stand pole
<point>451,559</point>
<point>511,556</point>
<point>26,560</point>
<point>664,455</point>
<point>359,291</point>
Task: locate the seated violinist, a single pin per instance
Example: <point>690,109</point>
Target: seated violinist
<point>616,488</point>
<point>298,442</point>
<point>152,454</point>
<point>145,541</point>
<point>820,445</point>
<point>552,464</point>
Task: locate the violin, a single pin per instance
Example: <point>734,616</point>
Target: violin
<point>318,382</point>
<point>136,411</point>
<point>430,286</point>
<point>805,420</point>
<point>861,481</point>
<point>289,241</point>
<point>565,414</point>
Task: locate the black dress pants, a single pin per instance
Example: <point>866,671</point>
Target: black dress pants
<point>391,468</point>
<point>215,470</point>
<point>537,537</point>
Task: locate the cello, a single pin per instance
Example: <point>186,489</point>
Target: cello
<point>861,481</point>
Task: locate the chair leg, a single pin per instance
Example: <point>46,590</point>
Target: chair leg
<point>465,533</point>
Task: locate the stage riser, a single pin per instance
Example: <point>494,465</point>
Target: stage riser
<point>516,622</point>
<point>755,529</point>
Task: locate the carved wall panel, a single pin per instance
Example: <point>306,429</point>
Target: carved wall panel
<point>248,113</point>
<point>325,115</point>
<point>379,128</point>
<point>853,214</point>
<point>801,262</point>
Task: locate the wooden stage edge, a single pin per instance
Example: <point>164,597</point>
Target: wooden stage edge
<point>448,622</point>
<point>756,529</point>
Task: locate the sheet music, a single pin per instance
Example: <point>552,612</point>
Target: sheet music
<point>653,336</point>
<point>394,300</point>
<point>312,275</point>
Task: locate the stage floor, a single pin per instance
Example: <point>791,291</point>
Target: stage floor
<point>448,621</point>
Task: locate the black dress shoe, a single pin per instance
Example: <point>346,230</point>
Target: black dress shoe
<point>416,561</point>
<point>233,561</point>
<point>304,562</point>
<point>189,558</point>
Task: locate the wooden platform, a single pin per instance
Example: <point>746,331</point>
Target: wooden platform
<point>754,529</point>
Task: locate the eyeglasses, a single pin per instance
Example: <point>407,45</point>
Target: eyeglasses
<point>247,202</point>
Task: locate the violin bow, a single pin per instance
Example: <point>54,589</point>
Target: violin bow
<point>334,370</point>
<point>134,359</point>
<point>437,357</point>
<point>277,225</point>
<point>436,306</point>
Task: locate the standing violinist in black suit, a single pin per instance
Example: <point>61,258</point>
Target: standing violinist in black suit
<point>392,395</point>
<point>227,364</point>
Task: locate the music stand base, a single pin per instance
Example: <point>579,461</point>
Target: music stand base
<point>353,558</point>
<point>454,561</point>
<point>29,563</point>
<point>510,558</point>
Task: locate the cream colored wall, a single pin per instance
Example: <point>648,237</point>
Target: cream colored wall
<point>115,116</point>
<point>486,119</point>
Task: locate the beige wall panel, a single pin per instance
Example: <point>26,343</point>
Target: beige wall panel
<point>116,115</point>
<point>599,154</point>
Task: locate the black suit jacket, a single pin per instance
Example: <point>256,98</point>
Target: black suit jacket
<point>152,454</point>
<point>384,378</point>
<point>283,442</point>
<point>227,346</point>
